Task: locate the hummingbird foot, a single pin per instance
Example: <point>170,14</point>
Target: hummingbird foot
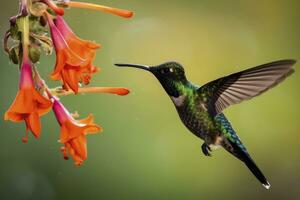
<point>206,149</point>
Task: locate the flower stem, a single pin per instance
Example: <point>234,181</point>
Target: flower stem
<point>23,24</point>
<point>91,6</point>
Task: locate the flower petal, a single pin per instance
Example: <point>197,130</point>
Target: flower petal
<point>23,102</point>
<point>70,77</point>
<point>33,124</point>
<point>13,116</point>
<point>43,105</point>
<point>67,33</point>
<point>79,146</point>
<point>92,129</point>
<point>69,131</point>
<point>77,159</point>
<point>88,120</point>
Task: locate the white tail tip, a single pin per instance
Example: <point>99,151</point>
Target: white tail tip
<point>267,186</point>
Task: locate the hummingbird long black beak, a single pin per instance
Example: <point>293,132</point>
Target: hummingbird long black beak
<point>144,67</point>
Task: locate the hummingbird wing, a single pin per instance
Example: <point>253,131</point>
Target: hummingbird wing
<point>235,88</point>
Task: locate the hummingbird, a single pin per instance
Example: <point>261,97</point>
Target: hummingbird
<point>200,108</point>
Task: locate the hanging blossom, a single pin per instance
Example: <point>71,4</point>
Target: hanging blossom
<point>27,37</point>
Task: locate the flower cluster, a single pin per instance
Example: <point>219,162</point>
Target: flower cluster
<point>27,37</point>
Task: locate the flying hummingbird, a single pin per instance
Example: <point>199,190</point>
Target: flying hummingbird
<point>200,108</point>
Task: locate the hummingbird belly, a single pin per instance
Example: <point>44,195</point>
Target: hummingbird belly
<point>197,120</point>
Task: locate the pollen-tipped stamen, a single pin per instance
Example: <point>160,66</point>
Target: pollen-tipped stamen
<point>25,138</point>
<point>64,152</point>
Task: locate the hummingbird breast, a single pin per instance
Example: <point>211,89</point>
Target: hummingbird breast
<point>193,113</point>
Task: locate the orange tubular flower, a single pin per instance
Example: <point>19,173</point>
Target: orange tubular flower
<point>29,104</point>
<point>91,6</point>
<point>84,48</point>
<point>67,67</point>
<point>26,38</point>
<point>74,62</point>
<point>73,132</point>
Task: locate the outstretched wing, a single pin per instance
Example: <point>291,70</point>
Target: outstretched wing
<point>244,85</point>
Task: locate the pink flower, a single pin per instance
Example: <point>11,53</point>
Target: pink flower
<point>67,67</point>
<point>29,104</point>
<point>83,48</point>
<point>75,56</point>
<point>73,132</point>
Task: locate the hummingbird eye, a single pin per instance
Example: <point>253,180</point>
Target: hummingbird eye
<point>166,70</point>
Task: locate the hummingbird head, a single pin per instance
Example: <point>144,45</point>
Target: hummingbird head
<point>171,75</point>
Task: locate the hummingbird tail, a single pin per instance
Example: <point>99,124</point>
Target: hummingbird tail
<point>245,157</point>
<point>257,173</point>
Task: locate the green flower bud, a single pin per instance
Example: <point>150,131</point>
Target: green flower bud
<point>14,33</point>
<point>34,54</point>
<point>14,55</point>
<point>38,9</point>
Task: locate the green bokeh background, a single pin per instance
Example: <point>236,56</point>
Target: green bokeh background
<point>145,152</point>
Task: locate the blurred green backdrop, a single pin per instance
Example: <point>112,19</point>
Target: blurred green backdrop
<point>145,152</point>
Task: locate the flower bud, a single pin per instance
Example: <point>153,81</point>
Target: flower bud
<point>38,9</point>
<point>34,54</point>
<point>43,21</point>
<point>14,55</point>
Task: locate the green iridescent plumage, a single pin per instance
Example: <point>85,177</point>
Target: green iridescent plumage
<point>200,108</point>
